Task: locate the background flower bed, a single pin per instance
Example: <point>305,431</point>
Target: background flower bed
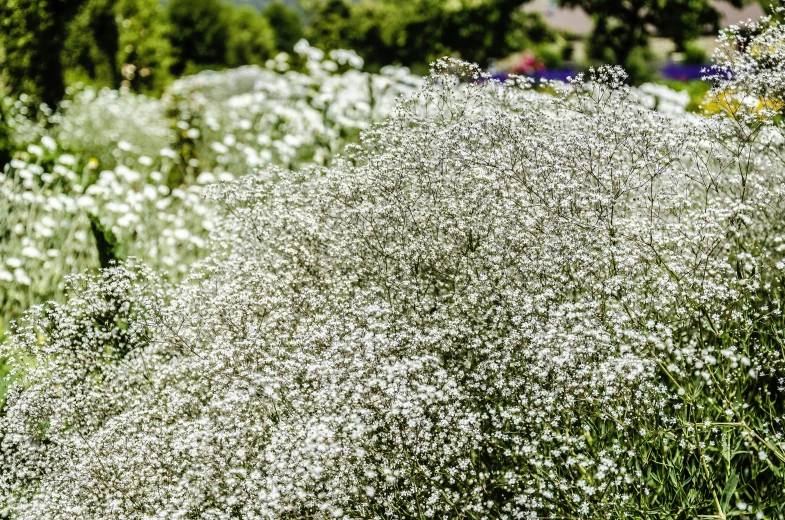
<point>138,164</point>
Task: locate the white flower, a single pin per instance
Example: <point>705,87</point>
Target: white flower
<point>150,192</point>
<point>67,159</point>
<point>85,202</point>
<point>205,178</point>
<point>461,314</point>
<point>168,152</point>
<point>21,277</point>
<point>48,142</point>
<point>127,174</point>
<point>13,262</point>
<point>31,252</point>
<point>219,147</point>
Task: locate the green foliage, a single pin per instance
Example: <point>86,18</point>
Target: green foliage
<point>131,42</point>
<point>261,5</point>
<point>5,137</point>
<point>105,242</point>
<point>106,42</point>
<point>726,412</point>
<point>549,56</point>
<point>91,45</point>
<point>638,65</point>
<point>685,20</point>
<point>417,32</point>
<point>622,29</point>
<point>144,53</point>
<point>331,25</point>
<point>694,54</point>
<point>527,29</point>
<point>477,31</point>
<point>200,35</point>
<point>32,34</point>
<point>286,23</point>
<point>251,40</point>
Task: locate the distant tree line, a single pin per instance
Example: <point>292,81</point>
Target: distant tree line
<point>415,31</point>
<point>142,44</point>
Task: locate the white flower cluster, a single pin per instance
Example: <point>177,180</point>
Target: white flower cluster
<point>749,82</point>
<point>664,99</point>
<point>467,316</point>
<point>255,116</point>
<point>138,164</point>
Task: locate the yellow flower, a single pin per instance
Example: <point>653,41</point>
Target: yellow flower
<point>731,104</point>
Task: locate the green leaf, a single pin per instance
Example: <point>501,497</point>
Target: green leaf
<point>727,493</point>
<point>105,242</point>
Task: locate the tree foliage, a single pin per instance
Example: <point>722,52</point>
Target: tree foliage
<point>286,24</point>
<point>32,35</point>
<point>92,43</point>
<point>144,53</point>
<point>201,33</point>
<point>251,40</point>
<point>134,43</point>
<point>623,28</point>
<point>417,32</point>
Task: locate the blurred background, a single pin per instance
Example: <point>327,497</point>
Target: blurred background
<point>46,45</point>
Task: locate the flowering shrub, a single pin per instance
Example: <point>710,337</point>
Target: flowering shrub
<point>138,164</point>
<point>498,304</point>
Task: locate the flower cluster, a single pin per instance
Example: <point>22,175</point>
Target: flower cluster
<point>499,303</point>
<point>138,164</point>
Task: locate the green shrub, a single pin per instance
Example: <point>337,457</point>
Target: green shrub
<point>251,40</point>
<point>144,54</point>
<point>199,33</point>
<point>286,23</point>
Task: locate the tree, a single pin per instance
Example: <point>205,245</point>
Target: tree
<point>417,32</point>
<point>119,42</point>
<point>330,25</point>
<point>478,30</point>
<point>32,34</point>
<point>251,39</point>
<point>144,52</point>
<point>623,28</point>
<point>200,35</point>
<point>286,23</point>
<point>92,43</point>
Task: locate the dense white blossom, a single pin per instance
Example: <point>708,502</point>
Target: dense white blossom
<point>468,315</point>
<point>138,164</point>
